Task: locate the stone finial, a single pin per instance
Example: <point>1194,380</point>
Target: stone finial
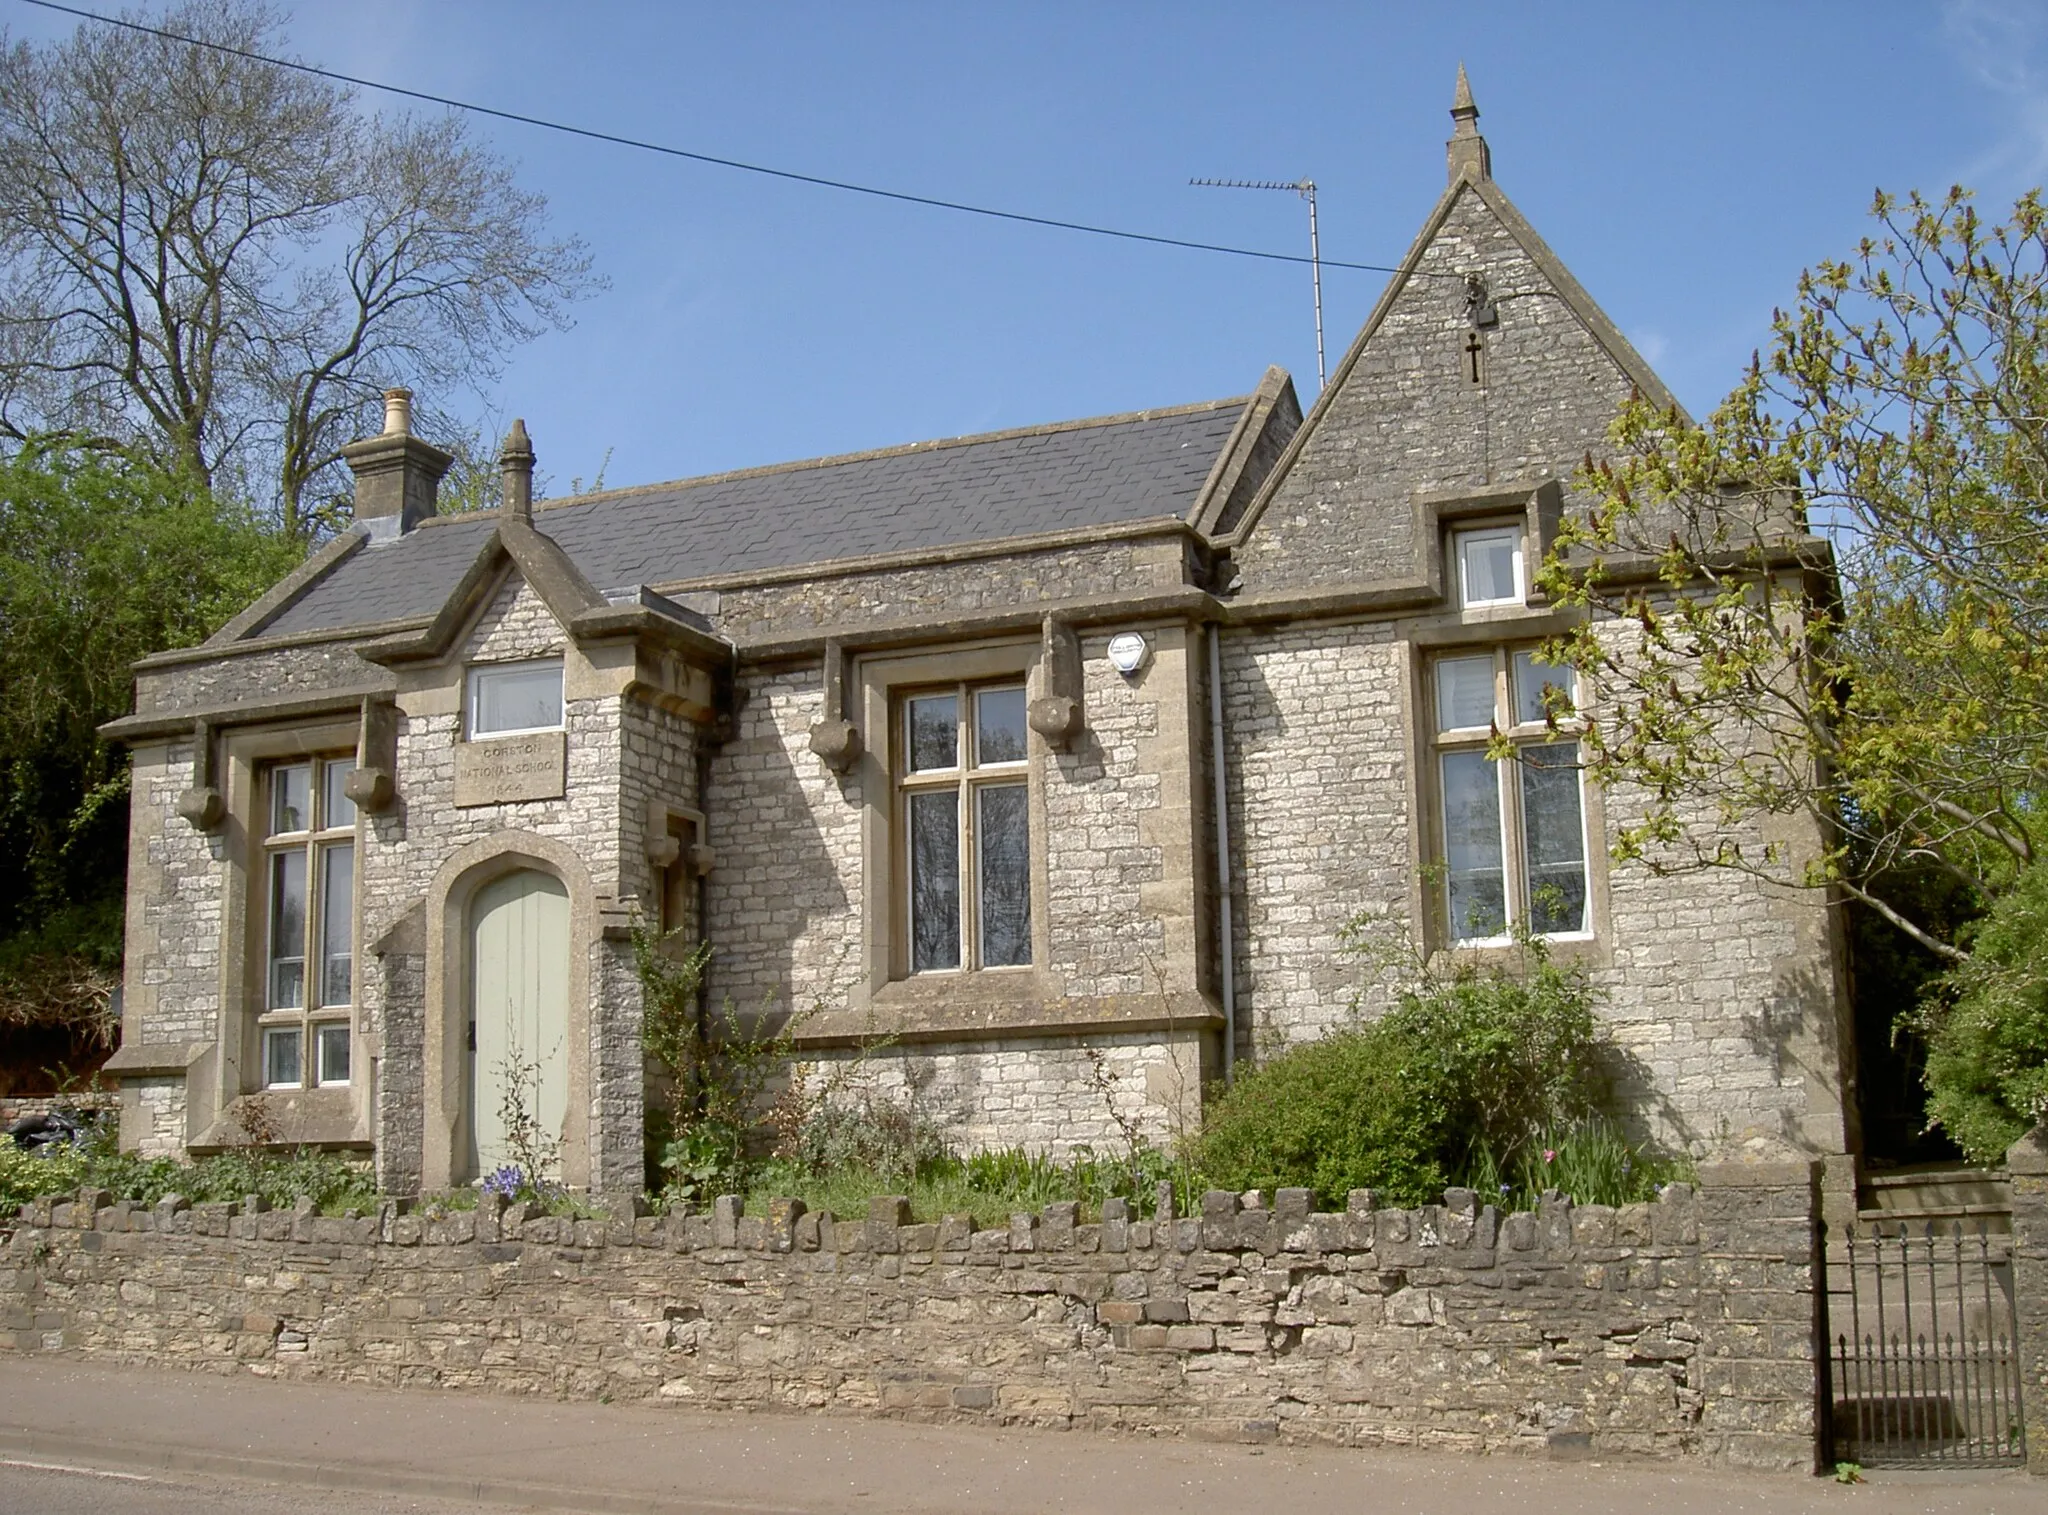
<point>1466,151</point>
<point>515,470</point>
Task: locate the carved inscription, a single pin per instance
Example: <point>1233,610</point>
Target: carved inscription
<point>505,768</point>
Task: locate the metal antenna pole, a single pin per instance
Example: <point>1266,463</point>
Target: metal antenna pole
<point>1306,188</point>
<point>1315,266</point>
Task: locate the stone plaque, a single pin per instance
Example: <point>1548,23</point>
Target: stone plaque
<point>503,768</point>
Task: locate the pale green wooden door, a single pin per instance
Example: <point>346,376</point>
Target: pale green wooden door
<point>519,1062</point>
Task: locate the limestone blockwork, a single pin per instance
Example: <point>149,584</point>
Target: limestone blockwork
<point>1682,1328</point>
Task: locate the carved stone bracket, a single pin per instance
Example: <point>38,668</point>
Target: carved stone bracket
<point>373,785</point>
<point>834,738</point>
<point>1057,714</point>
<point>202,804</point>
<point>664,847</point>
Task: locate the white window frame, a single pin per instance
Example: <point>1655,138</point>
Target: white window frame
<point>478,674</point>
<point>967,778</point>
<point>1466,538</point>
<point>1523,735</point>
<point>315,842</point>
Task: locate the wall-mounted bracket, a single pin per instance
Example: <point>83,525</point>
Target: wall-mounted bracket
<point>1056,714</point>
<point>665,848</point>
<point>202,804</point>
<point>834,738</point>
<point>374,784</point>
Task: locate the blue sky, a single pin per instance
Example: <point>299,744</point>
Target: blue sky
<point>1685,161</point>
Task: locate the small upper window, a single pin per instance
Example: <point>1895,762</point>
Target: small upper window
<point>1490,567</point>
<point>512,697</point>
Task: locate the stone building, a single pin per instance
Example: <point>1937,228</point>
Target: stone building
<point>1059,756</point>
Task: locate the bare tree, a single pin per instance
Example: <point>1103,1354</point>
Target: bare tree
<point>225,261</point>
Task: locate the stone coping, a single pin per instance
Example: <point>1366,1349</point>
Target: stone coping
<point>1459,1228</point>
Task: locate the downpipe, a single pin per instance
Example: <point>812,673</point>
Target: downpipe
<point>1227,966</point>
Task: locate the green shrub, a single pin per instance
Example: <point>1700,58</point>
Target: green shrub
<point>863,1133</point>
<point>1331,1115</point>
<point>30,1175</point>
<point>334,1183</point>
<point>1986,1025</point>
<point>1484,1060</point>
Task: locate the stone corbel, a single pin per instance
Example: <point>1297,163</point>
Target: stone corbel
<point>1056,714</point>
<point>834,738</point>
<point>374,784</point>
<point>202,804</point>
<point>664,848</point>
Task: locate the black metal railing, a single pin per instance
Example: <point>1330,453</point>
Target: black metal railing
<point>1927,1371</point>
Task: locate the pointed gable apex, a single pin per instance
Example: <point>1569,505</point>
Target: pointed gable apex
<point>583,612</point>
<point>1379,408</point>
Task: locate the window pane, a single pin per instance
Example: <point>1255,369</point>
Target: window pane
<point>1003,832</point>
<point>290,791</point>
<point>515,697</point>
<point>287,931</point>
<point>1531,679</point>
<point>1555,831</point>
<point>934,881</point>
<point>1464,693</point>
<point>1477,885</point>
<point>934,732</point>
<point>331,1048</point>
<point>999,726</point>
<point>337,920</point>
<point>336,808</point>
<point>1487,564</point>
<point>281,1055</point>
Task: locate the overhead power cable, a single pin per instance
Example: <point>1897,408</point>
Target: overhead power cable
<point>590,133</point>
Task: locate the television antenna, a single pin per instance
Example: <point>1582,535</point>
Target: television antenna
<point>1306,188</point>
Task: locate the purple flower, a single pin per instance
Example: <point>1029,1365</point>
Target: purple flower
<point>1550,1154</point>
<point>507,1181</point>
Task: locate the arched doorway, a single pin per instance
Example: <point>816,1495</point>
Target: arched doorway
<point>518,1075</point>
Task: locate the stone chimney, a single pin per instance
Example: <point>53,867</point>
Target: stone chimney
<point>398,477</point>
<point>515,471</point>
<point>1466,150</point>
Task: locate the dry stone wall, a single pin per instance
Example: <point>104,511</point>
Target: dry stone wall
<point>1682,1328</point>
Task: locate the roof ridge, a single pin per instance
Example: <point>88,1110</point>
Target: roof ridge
<point>901,449</point>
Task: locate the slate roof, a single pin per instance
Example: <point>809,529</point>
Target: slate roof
<point>931,495</point>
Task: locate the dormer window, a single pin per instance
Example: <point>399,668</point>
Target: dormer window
<point>506,699</point>
<point>1489,567</point>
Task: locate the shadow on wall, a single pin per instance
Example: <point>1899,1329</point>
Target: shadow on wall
<point>777,889</point>
<point>1796,1031</point>
<point>1646,1112</point>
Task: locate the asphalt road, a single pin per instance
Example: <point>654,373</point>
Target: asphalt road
<point>57,1489</point>
<point>224,1445</point>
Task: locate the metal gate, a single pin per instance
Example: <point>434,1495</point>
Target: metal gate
<point>1924,1350</point>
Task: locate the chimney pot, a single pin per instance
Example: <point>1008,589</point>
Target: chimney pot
<point>398,476</point>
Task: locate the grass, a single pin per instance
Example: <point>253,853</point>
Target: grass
<point>1593,1163</point>
<point>990,1186</point>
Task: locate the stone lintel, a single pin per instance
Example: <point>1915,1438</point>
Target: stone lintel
<point>131,729</point>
